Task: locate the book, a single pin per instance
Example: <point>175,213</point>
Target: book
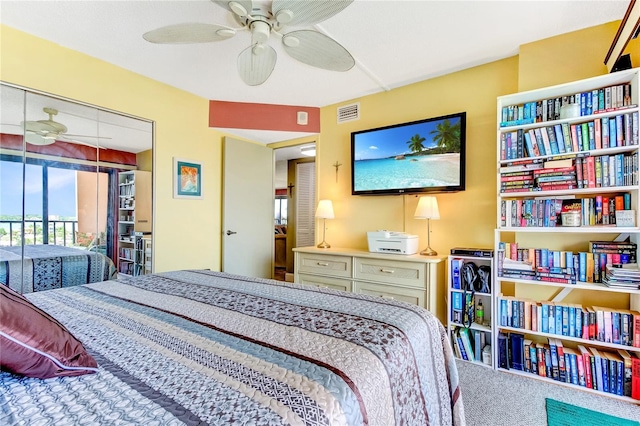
<point>463,352</point>
<point>475,252</point>
<point>635,376</point>
<point>456,267</point>
<point>503,350</point>
<point>555,371</point>
<point>562,368</point>
<point>457,307</point>
<point>516,345</point>
<point>477,345</point>
<point>598,368</point>
<point>466,342</point>
<point>586,360</point>
<point>626,375</point>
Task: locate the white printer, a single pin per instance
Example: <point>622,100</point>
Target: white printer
<point>392,242</point>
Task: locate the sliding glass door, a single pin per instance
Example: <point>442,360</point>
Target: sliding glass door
<point>59,166</point>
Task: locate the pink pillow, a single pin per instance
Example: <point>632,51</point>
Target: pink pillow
<point>34,344</point>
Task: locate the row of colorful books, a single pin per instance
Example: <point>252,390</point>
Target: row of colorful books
<point>468,344</point>
<point>615,372</point>
<point>601,171</point>
<point>563,266</point>
<point>618,326</point>
<point>596,101</point>
<point>546,212</point>
<point>605,171</point>
<point>600,133</point>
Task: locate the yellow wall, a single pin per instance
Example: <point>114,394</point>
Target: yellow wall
<point>467,218</point>
<point>568,57</point>
<point>144,160</point>
<point>181,129</point>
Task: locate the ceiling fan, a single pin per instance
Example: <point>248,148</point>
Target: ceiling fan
<point>46,132</point>
<point>263,19</point>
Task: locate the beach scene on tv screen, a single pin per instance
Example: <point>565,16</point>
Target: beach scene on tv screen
<point>420,155</point>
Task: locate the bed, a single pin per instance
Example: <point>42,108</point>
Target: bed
<point>48,266</point>
<point>203,347</point>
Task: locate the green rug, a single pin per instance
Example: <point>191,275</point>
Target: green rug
<point>561,414</point>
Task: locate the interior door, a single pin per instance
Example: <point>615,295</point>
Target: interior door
<point>247,209</point>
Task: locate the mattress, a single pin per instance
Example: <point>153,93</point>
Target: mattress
<point>48,266</point>
<point>203,347</point>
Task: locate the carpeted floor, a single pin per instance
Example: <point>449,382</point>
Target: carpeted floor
<point>496,398</point>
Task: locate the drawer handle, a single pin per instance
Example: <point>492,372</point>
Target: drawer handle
<point>384,296</point>
<point>387,271</point>
<point>322,263</point>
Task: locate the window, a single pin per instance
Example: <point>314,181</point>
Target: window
<point>281,210</point>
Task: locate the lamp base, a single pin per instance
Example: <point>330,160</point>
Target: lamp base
<point>324,244</point>
<point>428,252</point>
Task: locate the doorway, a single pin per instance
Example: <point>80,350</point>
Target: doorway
<point>294,205</point>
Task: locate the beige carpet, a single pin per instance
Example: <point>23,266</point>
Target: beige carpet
<point>499,398</point>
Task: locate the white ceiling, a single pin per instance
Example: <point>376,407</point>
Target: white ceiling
<point>394,43</point>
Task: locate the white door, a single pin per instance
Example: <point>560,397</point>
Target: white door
<point>305,204</point>
<point>247,209</point>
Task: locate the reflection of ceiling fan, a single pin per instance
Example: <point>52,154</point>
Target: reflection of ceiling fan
<point>256,62</point>
<point>46,132</point>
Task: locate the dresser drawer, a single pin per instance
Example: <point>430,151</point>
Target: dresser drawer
<point>321,281</point>
<point>409,295</point>
<point>412,274</point>
<point>324,264</point>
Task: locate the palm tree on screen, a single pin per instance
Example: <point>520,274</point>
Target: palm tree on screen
<point>415,143</point>
<point>447,136</point>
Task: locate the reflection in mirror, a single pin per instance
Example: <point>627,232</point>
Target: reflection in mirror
<point>68,215</point>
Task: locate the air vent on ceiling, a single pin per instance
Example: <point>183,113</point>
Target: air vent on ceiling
<point>348,113</point>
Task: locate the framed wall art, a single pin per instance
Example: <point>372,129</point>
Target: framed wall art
<point>187,179</point>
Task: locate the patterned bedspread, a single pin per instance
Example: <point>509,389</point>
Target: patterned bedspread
<point>202,347</point>
<point>48,266</point>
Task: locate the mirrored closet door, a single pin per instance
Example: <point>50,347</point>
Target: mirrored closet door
<point>75,192</point>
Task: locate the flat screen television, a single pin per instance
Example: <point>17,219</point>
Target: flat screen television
<point>420,156</point>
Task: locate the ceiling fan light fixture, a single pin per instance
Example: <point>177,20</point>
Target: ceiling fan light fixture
<point>258,49</point>
<point>226,32</point>
<point>291,41</point>
<point>260,31</point>
<point>284,16</point>
<point>237,8</point>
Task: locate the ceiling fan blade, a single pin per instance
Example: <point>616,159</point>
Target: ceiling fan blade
<point>38,126</point>
<point>66,135</point>
<point>189,33</point>
<point>296,12</point>
<point>318,50</point>
<point>256,63</point>
<point>37,139</point>
<point>64,138</point>
<point>239,7</point>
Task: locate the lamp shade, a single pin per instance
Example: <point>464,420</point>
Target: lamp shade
<point>324,210</point>
<point>427,208</point>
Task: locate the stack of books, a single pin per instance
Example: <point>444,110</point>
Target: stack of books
<point>622,276</point>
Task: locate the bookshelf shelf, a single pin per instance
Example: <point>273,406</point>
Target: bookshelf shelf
<point>577,286</point>
<point>570,385</point>
<point>549,163</point>
<point>574,230</point>
<point>467,334</point>
<point>134,221</point>
<point>569,338</point>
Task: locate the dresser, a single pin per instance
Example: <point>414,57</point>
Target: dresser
<point>414,278</point>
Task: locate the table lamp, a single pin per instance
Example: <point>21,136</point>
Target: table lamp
<point>427,209</point>
<point>324,212</point>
